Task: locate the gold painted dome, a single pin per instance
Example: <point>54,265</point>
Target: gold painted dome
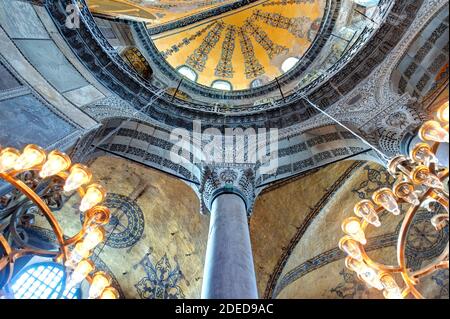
<point>245,48</point>
<point>239,49</point>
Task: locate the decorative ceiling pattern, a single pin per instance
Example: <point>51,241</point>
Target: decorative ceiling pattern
<point>295,229</point>
<point>244,44</point>
<point>156,240</point>
<point>153,12</point>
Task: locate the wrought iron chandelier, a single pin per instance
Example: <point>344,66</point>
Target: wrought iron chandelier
<point>420,180</point>
<point>39,180</point>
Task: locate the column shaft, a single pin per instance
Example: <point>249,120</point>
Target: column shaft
<point>229,271</point>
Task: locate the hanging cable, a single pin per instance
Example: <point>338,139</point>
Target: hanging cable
<point>141,110</point>
<point>383,156</point>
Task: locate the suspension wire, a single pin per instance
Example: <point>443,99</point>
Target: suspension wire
<point>383,156</point>
<point>116,130</point>
<point>94,147</point>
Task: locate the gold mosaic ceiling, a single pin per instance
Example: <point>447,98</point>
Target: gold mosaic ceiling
<point>153,12</point>
<point>245,47</point>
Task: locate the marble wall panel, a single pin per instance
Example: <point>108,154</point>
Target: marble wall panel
<point>14,13</point>
<point>45,56</point>
<point>7,80</point>
<point>25,120</point>
<point>83,96</point>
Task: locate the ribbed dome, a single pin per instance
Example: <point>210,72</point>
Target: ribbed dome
<point>244,48</point>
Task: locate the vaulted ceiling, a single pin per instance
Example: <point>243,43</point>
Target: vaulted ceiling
<point>153,12</point>
<point>245,44</point>
<point>156,242</point>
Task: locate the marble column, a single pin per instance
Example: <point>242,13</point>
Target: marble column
<point>228,196</point>
<point>229,271</point>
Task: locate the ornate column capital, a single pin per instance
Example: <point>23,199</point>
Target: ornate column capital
<point>217,180</point>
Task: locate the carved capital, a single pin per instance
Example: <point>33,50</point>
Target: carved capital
<point>218,180</point>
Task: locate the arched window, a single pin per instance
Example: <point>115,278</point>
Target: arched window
<point>288,64</point>
<point>42,281</point>
<point>367,3</point>
<point>222,85</point>
<point>256,83</point>
<point>188,73</point>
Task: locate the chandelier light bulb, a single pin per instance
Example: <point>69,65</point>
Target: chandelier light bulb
<point>109,293</point>
<point>77,254</point>
<point>355,265</point>
<point>391,289</point>
<point>422,175</point>
<point>8,158</point>
<point>93,238</point>
<point>94,195</point>
<point>431,131</point>
<point>350,247</point>
<point>352,227</point>
<point>31,156</point>
<point>405,191</point>
<point>100,281</point>
<point>422,153</point>
<point>56,162</point>
<point>366,210</point>
<point>79,175</point>
<point>386,198</point>
<point>370,276</point>
<point>80,273</point>
<point>442,113</point>
<point>365,273</point>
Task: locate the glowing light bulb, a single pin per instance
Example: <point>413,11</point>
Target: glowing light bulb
<point>77,254</point>
<point>422,175</point>
<point>109,293</point>
<point>432,131</point>
<point>351,247</point>
<point>351,226</point>
<point>31,156</point>
<point>95,194</point>
<point>93,238</point>
<point>81,271</point>
<point>366,210</point>
<point>442,112</point>
<point>100,281</point>
<point>386,198</point>
<point>405,191</point>
<point>56,162</point>
<point>354,264</point>
<point>8,158</point>
<point>391,289</point>
<point>422,153</point>
<point>79,175</point>
<point>365,273</point>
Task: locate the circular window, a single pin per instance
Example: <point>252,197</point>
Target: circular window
<point>42,281</point>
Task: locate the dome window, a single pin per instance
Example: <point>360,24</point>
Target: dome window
<point>288,64</point>
<point>42,281</point>
<point>222,85</point>
<point>187,72</point>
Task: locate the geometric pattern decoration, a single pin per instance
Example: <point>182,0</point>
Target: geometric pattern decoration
<point>285,2</point>
<point>298,26</point>
<point>42,281</point>
<point>252,66</point>
<point>126,226</point>
<point>197,60</point>
<point>161,282</point>
<point>225,67</point>
<point>263,39</point>
<point>186,41</point>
